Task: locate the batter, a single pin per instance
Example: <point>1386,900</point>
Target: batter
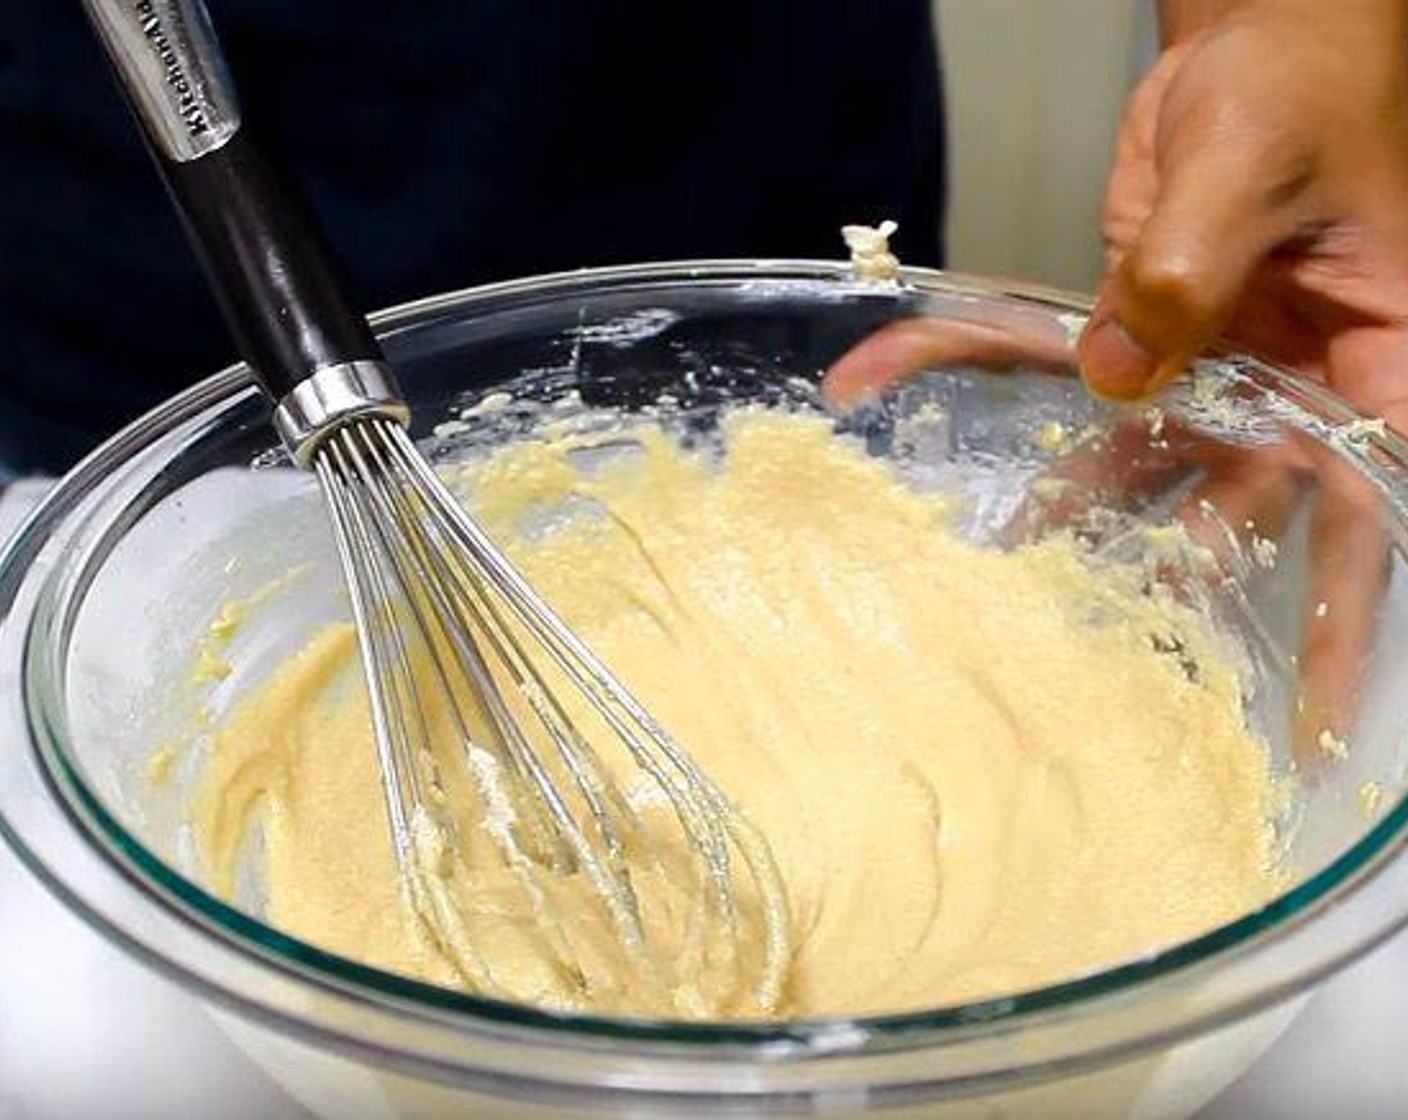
<point>980,771</point>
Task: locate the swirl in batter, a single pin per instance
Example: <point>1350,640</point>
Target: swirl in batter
<point>981,771</point>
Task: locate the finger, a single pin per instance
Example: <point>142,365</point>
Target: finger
<point>904,348</point>
<point>1146,454</point>
<point>1348,557</point>
<point>1214,220</point>
<point>1366,365</point>
<point>1133,182</point>
<point>1113,469</point>
<point>1349,551</point>
<point>1246,496</point>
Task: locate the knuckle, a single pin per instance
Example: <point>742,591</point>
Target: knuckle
<point>1168,285</point>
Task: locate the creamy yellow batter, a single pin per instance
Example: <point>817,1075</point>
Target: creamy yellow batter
<point>976,770</point>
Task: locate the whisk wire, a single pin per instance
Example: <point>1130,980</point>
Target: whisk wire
<point>426,866</point>
<point>417,564</point>
<point>580,761</point>
<point>608,696</point>
<point>353,549</point>
<point>412,566</point>
<point>703,811</point>
<point>427,563</point>
<point>413,845</point>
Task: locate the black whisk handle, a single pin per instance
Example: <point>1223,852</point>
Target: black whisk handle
<point>260,249</point>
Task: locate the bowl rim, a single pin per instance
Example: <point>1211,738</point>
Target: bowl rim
<point>185,902</point>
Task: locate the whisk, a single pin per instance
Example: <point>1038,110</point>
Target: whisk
<point>455,644</point>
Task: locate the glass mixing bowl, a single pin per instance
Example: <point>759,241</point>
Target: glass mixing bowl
<point>108,586</point>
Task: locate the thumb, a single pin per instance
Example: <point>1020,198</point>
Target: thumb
<point>1175,289</point>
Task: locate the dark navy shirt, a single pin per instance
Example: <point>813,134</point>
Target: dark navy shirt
<point>445,143</point>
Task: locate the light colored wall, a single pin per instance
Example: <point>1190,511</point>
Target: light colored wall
<point>1035,89</point>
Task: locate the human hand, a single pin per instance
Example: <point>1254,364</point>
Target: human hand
<point>1232,497</point>
<point>1259,192</point>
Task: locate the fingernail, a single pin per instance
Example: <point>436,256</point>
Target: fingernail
<point>846,400</point>
<point>1112,363</point>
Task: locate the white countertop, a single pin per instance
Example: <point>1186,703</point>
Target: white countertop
<point>87,1033</point>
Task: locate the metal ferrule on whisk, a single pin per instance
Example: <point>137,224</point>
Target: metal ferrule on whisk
<point>333,396</point>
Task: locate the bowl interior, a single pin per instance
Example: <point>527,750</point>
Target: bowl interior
<point>989,410</point>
